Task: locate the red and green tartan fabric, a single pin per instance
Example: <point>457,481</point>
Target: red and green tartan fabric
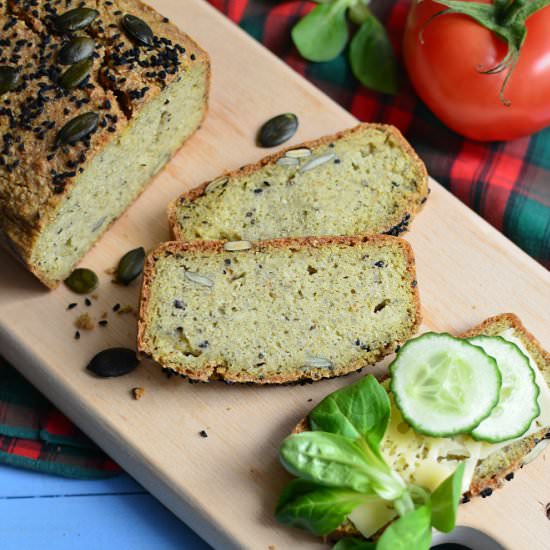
<point>506,183</point>
<point>35,435</point>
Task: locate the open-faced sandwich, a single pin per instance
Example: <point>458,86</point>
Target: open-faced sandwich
<point>381,464</point>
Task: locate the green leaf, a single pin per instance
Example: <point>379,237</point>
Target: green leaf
<point>410,531</point>
<point>359,410</point>
<point>372,57</point>
<point>354,544</point>
<point>323,33</point>
<point>328,459</point>
<point>445,501</point>
<point>317,509</point>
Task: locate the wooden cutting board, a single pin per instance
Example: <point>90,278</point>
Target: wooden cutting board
<point>226,486</point>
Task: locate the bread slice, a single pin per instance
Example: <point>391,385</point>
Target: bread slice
<point>499,466</point>
<point>56,201</point>
<point>371,181</point>
<point>285,310</point>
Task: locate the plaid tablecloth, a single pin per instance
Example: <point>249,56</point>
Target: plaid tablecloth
<point>506,183</point>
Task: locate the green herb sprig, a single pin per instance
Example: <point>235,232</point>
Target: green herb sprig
<point>339,466</point>
<point>323,34</point>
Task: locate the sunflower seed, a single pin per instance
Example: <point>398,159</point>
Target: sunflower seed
<point>235,246</point>
<point>75,74</point>
<point>78,128</point>
<point>215,184</point>
<point>130,266</point>
<point>300,153</point>
<point>82,281</point>
<point>198,279</point>
<point>277,130</point>
<point>138,29</point>
<point>75,19</point>
<point>287,161</point>
<point>113,362</point>
<point>317,161</point>
<point>318,363</point>
<point>76,50</point>
<point>535,452</point>
<point>9,79</point>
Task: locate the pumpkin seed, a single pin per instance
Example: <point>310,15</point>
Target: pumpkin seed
<point>82,281</point>
<point>287,161</point>
<point>75,74</point>
<point>75,19</point>
<point>76,50</point>
<point>277,130</point>
<point>130,266</point>
<point>78,127</point>
<point>138,29</point>
<point>113,362</point>
<point>317,161</point>
<point>215,184</point>
<point>300,153</point>
<point>235,246</point>
<point>198,279</point>
<point>318,363</point>
<point>9,79</point>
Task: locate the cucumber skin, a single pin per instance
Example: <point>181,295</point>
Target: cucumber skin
<point>461,431</point>
<point>533,380</point>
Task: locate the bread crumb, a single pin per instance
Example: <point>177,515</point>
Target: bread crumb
<point>104,315</point>
<point>111,270</point>
<point>95,297</point>
<point>271,547</point>
<point>84,322</point>
<point>127,309</point>
<point>137,393</point>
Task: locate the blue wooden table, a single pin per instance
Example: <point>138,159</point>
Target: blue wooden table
<point>39,511</point>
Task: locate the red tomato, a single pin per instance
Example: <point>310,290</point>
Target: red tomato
<point>444,72</point>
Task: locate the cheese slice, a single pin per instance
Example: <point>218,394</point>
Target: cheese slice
<point>427,461</point>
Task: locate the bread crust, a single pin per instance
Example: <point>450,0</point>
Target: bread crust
<point>414,205</point>
<point>478,486</point>
<point>219,372</point>
<point>19,232</point>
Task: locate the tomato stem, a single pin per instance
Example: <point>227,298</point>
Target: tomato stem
<point>505,18</point>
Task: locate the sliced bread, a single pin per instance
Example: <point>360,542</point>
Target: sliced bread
<point>277,311</point>
<point>366,180</point>
<point>498,466</point>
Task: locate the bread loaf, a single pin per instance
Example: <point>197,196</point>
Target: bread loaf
<point>143,93</point>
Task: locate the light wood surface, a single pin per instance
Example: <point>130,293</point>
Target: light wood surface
<point>226,486</point>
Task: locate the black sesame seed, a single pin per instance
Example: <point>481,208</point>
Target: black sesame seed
<point>178,304</point>
<point>116,307</point>
<point>77,335</point>
<point>380,263</point>
<point>203,433</point>
<point>88,302</point>
<point>103,323</point>
<point>509,477</point>
<point>72,306</point>
<point>486,492</point>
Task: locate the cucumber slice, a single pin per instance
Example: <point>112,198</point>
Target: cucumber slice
<point>517,406</point>
<point>444,386</point>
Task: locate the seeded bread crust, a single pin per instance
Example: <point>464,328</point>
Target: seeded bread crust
<point>392,227</point>
<point>491,472</point>
<point>219,372</point>
<point>36,177</point>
